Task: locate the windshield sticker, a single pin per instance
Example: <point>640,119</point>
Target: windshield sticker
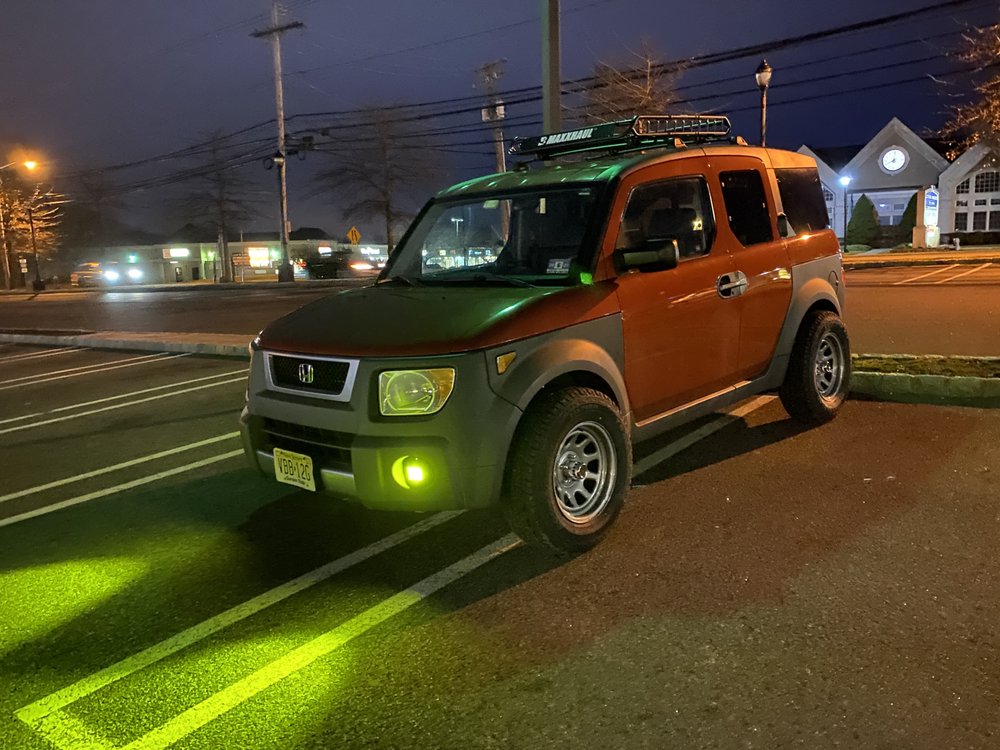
<point>558,265</point>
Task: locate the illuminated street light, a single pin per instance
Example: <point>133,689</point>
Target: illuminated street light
<point>844,182</point>
<point>763,77</point>
<point>5,248</point>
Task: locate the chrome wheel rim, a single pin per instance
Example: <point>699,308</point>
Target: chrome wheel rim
<point>829,369</point>
<point>584,472</point>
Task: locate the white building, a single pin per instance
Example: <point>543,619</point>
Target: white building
<point>896,163</point>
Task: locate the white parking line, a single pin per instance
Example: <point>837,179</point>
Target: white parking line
<point>210,709</point>
<point>701,433</point>
<point>92,683</point>
<point>44,422</point>
<point>39,355</point>
<point>10,521</point>
<point>118,467</point>
<point>154,360</point>
<point>121,396</point>
<point>95,366</point>
<point>925,275</point>
<point>964,273</point>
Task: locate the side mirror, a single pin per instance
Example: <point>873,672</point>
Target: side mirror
<point>655,255</point>
<point>785,230</point>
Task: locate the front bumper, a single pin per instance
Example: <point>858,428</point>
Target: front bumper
<point>463,447</point>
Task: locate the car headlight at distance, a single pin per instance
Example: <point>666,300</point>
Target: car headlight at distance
<point>403,393</point>
<point>134,273</point>
<point>111,275</point>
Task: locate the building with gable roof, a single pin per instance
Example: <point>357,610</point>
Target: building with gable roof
<point>896,163</point>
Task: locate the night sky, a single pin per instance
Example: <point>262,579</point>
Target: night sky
<point>102,82</point>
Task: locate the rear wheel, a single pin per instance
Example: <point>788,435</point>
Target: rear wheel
<point>569,470</point>
<point>819,371</point>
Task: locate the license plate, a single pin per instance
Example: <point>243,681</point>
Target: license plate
<point>295,469</point>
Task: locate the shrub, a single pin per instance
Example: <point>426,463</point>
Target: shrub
<point>863,228</point>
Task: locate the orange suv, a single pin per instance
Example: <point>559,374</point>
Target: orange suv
<point>531,325</point>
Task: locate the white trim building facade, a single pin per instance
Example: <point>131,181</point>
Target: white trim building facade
<point>896,163</point>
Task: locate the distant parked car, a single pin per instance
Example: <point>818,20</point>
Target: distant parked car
<point>93,273</point>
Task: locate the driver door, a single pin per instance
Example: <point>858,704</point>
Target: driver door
<point>681,332</point>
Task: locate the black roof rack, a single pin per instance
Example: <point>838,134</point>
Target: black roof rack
<point>641,131</point>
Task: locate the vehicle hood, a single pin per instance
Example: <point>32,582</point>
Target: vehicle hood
<point>386,320</point>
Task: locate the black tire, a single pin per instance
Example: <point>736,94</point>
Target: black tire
<point>819,370</point>
<point>555,433</point>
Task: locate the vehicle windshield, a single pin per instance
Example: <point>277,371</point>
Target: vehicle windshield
<point>521,239</point>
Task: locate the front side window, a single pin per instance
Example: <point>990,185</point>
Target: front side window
<point>802,199</point>
<point>746,206</point>
<point>678,209</point>
<point>527,238</point>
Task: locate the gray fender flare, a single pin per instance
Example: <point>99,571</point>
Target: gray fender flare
<point>803,298</point>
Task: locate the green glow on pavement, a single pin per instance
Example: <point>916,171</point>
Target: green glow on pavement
<point>39,600</point>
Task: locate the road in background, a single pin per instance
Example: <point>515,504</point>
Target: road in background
<point>909,310</point>
<point>768,587</point>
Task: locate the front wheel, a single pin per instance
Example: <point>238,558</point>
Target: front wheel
<point>819,370</point>
<point>569,469</point>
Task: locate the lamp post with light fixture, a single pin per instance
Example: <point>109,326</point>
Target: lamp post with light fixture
<point>844,182</point>
<point>5,244</point>
<point>763,76</point>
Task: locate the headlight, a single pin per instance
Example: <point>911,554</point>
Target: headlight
<point>111,275</point>
<point>362,266</point>
<point>408,392</point>
<point>134,274</point>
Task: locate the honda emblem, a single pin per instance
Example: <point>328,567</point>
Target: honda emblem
<point>306,373</point>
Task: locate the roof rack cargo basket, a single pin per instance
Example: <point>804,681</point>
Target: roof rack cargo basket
<point>641,131</point>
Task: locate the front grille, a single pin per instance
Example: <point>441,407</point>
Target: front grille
<point>326,376</point>
<point>329,449</point>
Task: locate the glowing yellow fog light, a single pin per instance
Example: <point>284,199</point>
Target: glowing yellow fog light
<point>408,472</point>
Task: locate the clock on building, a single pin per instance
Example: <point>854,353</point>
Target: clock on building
<point>893,159</point>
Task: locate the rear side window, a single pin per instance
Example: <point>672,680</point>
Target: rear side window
<point>802,199</point>
<point>678,209</point>
<point>746,206</point>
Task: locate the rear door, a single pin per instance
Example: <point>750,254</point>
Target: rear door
<point>681,336</point>
<point>763,277</point>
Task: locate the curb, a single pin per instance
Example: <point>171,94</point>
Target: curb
<point>226,346</point>
<point>927,389</point>
<point>216,287</point>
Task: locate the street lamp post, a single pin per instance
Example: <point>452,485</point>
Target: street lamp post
<point>5,244</point>
<point>38,285</point>
<point>844,182</point>
<point>763,76</point>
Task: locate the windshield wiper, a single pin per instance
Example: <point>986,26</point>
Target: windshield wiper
<point>405,279</point>
<point>496,277</point>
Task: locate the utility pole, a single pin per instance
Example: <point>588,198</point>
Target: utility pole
<point>8,264</point>
<point>274,33</point>
<point>551,115</point>
<point>494,112</point>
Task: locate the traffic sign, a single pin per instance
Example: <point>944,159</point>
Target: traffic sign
<point>354,235</point>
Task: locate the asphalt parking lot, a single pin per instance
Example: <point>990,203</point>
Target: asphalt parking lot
<point>765,587</point>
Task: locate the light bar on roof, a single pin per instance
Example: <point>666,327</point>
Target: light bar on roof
<point>637,132</point>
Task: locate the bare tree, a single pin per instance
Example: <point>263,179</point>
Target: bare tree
<point>377,174</point>
<point>220,195</point>
<point>978,119</point>
<point>642,84</point>
<point>92,218</point>
<point>28,208</point>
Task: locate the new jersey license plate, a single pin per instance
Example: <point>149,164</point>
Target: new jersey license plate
<point>295,469</point>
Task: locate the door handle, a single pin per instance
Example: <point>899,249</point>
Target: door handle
<point>730,285</point>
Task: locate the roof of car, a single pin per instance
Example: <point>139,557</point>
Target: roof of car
<point>607,167</point>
